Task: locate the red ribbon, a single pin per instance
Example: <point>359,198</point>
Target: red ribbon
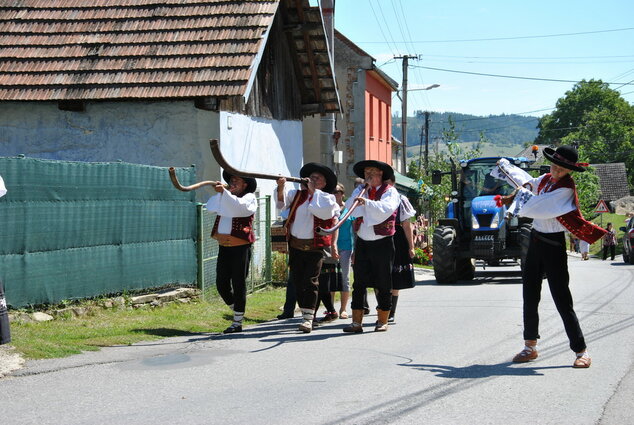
<point>565,161</point>
<point>498,200</point>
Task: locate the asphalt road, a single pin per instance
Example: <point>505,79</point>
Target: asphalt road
<point>445,361</point>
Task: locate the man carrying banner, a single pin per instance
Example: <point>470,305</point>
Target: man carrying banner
<point>553,205</point>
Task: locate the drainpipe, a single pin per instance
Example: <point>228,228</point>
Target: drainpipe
<point>327,121</point>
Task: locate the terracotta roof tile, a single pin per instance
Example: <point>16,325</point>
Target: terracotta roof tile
<point>109,49</point>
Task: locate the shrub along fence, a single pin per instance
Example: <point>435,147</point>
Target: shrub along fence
<point>73,230</point>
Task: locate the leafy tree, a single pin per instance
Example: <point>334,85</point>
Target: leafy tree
<point>596,119</point>
<point>433,200</point>
<point>588,191</point>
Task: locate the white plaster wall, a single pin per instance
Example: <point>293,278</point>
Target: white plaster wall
<point>262,145</point>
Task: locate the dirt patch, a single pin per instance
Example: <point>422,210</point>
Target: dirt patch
<point>10,360</point>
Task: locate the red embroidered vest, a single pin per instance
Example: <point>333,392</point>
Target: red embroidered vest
<point>241,228</point>
<point>320,241</point>
<point>387,228</point>
<point>573,221</point>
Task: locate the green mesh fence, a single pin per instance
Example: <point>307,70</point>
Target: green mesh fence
<point>260,267</point>
<point>75,230</point>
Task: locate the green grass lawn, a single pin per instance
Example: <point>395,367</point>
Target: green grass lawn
<point>64,337</point>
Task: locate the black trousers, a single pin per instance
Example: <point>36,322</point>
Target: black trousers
<point>232,269</point>
<point>304,269</point>
<point>612,249</point>
<point>547,255</point>
<point>5,332</point>
<point>372,268</point>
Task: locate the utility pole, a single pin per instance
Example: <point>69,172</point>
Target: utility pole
<point>427,142</point>
<point>406,59</point>
<point>424,132</point>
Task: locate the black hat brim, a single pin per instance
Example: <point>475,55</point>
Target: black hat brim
<point>252,184</point>
<point>329,175</point>
<point>549,154</point>
<point>359,167</point>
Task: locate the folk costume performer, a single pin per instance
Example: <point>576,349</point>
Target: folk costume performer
<point>553,204</point>
<point>311,207</point>
<point>374,246</point>
<point>233,229</point>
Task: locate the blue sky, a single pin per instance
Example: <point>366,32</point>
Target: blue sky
<point>602,48</point>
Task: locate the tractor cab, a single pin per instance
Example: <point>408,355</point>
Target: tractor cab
<point>475,228</point>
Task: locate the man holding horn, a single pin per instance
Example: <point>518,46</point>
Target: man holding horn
<point>235,206</point>
<point>310,208</point>
<point>553,205</point>
<point>377,203</point>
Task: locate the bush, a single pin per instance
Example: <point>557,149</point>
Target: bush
<point>423,256</point>
<point>279,272</point>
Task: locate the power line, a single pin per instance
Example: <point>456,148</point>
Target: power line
<point>506,76</point>
<point>530,57</point>
<point>381,29</point>
<point>510,38</point>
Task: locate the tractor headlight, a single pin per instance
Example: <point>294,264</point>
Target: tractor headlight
<point>495,222</point>
<point>474,222</point>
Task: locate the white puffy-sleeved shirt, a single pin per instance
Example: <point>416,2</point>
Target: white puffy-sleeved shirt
<point>545,207</point>
<point>228,205</point>
<point>407,210</point>
<point>3,189</point>
<point>321,205</point>
<point>374,212</point>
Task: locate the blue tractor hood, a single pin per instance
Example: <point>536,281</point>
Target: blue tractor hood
<point>485,211</point>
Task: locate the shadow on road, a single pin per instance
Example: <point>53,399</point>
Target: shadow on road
<point>482,371</point>
<point>165,332</point>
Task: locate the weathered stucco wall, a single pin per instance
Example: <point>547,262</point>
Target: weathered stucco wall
<point>153,133</point>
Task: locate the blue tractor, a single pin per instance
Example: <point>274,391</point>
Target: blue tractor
<point>474,227</point>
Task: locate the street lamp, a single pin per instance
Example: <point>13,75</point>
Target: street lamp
<point>404,120</point>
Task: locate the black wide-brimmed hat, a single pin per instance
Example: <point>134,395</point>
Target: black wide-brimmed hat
<point>565,156</point>
<point>329,175</point>
<point>388,171</point>
<point>251,183</point>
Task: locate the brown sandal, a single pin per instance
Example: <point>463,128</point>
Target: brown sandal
<point>582,361</point>
<point>528,353</point>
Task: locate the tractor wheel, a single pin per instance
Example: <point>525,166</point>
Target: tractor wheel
<point>465,269</point>
<point>524,239</point>
<point>444,254</point>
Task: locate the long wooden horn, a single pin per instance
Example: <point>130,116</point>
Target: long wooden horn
<point>180,187</point>
<point>326,232</point>
<point>215,151</point>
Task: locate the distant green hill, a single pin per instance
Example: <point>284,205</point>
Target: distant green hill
<point>506,134</point>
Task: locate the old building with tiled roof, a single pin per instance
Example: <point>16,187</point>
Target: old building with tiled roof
<point>612,180</point>
<point>152,81</point>
<point>365,126</point>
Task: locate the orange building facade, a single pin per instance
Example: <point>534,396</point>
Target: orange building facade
<point>378,118</point>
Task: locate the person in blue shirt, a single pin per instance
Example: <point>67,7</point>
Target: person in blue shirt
<point>345,244</point>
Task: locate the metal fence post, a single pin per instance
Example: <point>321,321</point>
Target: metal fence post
<point>199,245</point>
<point>268,274</point>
